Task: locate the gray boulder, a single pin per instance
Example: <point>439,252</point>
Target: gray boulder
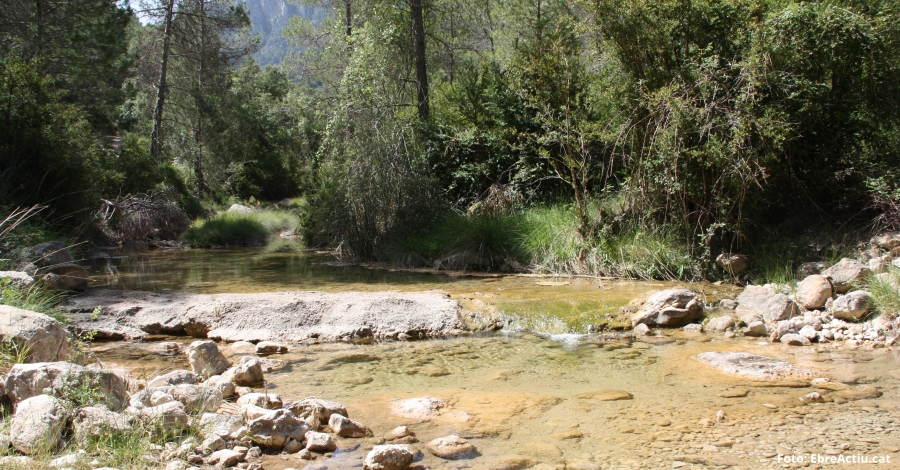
<point>670,308</point>
<point>852,306</point>
<point>222,425</point>
<point>224,384</point>
<point>813,291</point>
<point>239,208</point>
<point>196,398</point>
<point>50,253</point>
<point>887,241</point>
<point>772,305</point>
<point>275,428</point>
<point>733,263</point>
<point>38,425</point>
<point>844,274</point>
<point>205,359</point>
<point>166,419</point>
<point>265,348</point>
<point>176,377</point>
<point>756,328</point>
<point>795,339</point>
<point>45,339</point>
<point>784,327</point>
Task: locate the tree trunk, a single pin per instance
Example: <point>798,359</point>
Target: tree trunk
<point>348,18</point>
<point>161,89</point>
<point>198,131</point>
<point>421,69</point>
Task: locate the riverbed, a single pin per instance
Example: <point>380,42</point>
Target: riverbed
<point>539,395</point>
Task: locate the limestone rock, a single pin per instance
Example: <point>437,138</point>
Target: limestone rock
<point>205,358</point>
<point>844,274</point>
<point>763,300</point>
<point>45,338</point>
<point>269,401</point>
<point>225,458</point>
<point>243,347</point>
<point>642,330</point>
<point>813,291</point>
<point>794,339</point>
<point>223,384</point>
<point>248,372</point>
<point>809,332</point>
<point>756,328</point>
<point>752,366</point>
<point>276,427</point>
<point>251,412</point>
<point>221,425</point>
<point>265,348</point>
<point>346,427</point>
<point>784,327</point>
<point>423,408</point>
<point>38,424</point>
<point>239,208</point>
<point>176,377</point>
<point>452,448</point>
<point>733,263</point>
<point>852,306</point>
<point>319,442</point>
<point>322,408</point>
<point>196,398</point>
<point>167,418</point>
<point>95,420</point>
<point>670,308</point>
<point>887,241</point>
<point>27,380</point>
<point>388,457</point>
<point>720,323</point>
<point>808,269</point>
<point>19,279</point>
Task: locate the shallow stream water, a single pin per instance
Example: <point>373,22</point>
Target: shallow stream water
<point>538,401</point>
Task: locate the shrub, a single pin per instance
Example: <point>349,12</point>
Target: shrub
<point>241,229</point>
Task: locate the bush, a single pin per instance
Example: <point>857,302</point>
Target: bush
<point>241,229</point>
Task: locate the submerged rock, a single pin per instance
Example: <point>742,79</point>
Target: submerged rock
<point>423,408</point>
<point>452,448</point>
<point>752,366</point>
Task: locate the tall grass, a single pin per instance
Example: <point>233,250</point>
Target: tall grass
<point>241,229</point>
<point>35,298</point>
<point>546,239</point>
<point>885,292</point>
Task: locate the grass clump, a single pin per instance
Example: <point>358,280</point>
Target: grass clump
<point>241,228</point>
<point>35,298</point>
<point>885,292</point>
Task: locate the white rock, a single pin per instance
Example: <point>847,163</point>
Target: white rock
<point>248,372</point>
<point>269,401</point>
<point>222,425</point>
<point>452,448</point>
<point>809,332</point>
<point>793,339</point>
<point>197,399</point>
<point>844,274</point>
<point>346,427</point>
<point>270,347</point>
<point>176,377</point>
<point>642,330</point>
<point>38,424</point>
<point>852,306</point>
<point>388,457</point>
<point>223,384</point>
<point>251,412</point>
<point>423,408</point>
<point>720,323</point>
<point>813,292</point>
<point>205,358</point>
<point>46,339</point>
<point>239,208</point>
<point>225,458</point>
<point>276,428</point>
<point>756,328</point>
<point>670,308</point>
<point>319,442</point>
<point>95,420</point>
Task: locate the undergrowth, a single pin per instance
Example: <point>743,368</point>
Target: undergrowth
<point>241,228</point>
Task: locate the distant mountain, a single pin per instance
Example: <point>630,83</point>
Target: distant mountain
<point>269,18</point>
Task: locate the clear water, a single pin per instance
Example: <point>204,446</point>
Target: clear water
<point>536,401</point>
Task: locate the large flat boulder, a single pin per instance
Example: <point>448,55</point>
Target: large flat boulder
<point>29,380</point>
<point>773,306</point>
<point>753,366</point>
<point>287,316</point>
<point>845,273</point>
<point>44,338</point>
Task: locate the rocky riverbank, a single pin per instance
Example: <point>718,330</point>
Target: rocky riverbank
<point>285,316</point>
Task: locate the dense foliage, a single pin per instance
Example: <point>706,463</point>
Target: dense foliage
<point>704,125</point>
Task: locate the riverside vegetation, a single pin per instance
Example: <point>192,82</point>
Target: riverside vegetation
<point>752,143</point>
